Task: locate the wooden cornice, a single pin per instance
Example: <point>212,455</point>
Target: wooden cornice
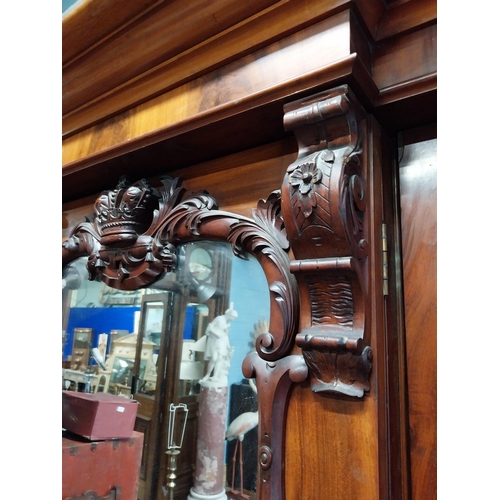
<point>406,17</point>
<point>169,45</point>
<point>319,54</point>
<point>95,21</point>
<point>233,87</point>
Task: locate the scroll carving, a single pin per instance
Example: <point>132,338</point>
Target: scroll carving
<point>274,380</point>
<point>325,200</point>
<point>136,228</point>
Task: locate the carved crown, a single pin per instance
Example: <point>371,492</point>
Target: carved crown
<point>121,215</point>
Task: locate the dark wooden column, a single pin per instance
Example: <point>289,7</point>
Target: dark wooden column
<point>333,206</point>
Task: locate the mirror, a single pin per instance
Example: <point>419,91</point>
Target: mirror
<point>153,346</point>
<point>145,241</point>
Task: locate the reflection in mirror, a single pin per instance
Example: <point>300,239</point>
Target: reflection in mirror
<point>152,319</point>
<point>192,366</point>
<point>200,264</point>
<point>153,344</point>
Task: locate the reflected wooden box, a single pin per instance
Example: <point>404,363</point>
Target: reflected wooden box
<point>98,416</point>
<point>101,466</point>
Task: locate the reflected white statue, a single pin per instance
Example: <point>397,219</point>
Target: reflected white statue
<point>218,351</point>
<point>209,475</point>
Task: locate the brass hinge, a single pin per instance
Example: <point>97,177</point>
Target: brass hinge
<point>385,263</point>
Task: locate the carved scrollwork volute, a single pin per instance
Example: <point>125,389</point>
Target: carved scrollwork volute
<point>274,380</point>
<point>264,237</point>
<point>133,237</point>
<point>325,200</point>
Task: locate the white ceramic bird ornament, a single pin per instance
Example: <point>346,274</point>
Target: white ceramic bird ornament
<point>237,430</point>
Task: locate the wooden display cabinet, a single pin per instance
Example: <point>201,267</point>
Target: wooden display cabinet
<point>80,355</point>
<point>120,366</point>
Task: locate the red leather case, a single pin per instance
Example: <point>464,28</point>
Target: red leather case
<point>98,416</point>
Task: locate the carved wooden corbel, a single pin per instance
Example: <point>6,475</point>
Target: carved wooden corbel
<point>325,205</point>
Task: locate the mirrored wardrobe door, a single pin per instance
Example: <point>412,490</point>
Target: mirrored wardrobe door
<point>148,383</point>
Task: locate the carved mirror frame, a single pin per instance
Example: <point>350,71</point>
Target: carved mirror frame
<point>320,309</point>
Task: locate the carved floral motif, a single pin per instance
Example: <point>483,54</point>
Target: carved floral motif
<point>153,222</point>
<point>303,177</point>
<point>133,237</point>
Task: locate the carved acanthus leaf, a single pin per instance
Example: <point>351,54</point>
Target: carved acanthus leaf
<point>268,216</point>
<point>126,259</point>
<point>341,372</point>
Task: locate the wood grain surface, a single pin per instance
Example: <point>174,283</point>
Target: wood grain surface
<point>160,35</point>
<point>418,172</point>
<point>175,51</point>
<point>94,21</point>
<point>342,433</point>
<point>263,75</point>
<point>406,58</point>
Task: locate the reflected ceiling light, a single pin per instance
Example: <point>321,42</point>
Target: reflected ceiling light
<point>204,292</point>
<point>71,278</point>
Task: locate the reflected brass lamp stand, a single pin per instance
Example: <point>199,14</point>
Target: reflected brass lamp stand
<point>174,443</point>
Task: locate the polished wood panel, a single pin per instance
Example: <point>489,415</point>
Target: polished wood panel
<point>251,89</point>
<point>418,173</point>
<point>144,49</point>
<point>262,76</point>
<point>249,181</point>
<point>372,13</point>
<point>409,57</point>
<point>189,61</point>
<point>220,139</point>
<point>160,35</point>
<point>253,174</point>
<point>93,21</point>
<point>330,431</point>
<point>407,16</point>
<point>394,466</point>
<point>129,259</point>
<point>213,100</point>
<point>352,435</point>
<point>410,110</point>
